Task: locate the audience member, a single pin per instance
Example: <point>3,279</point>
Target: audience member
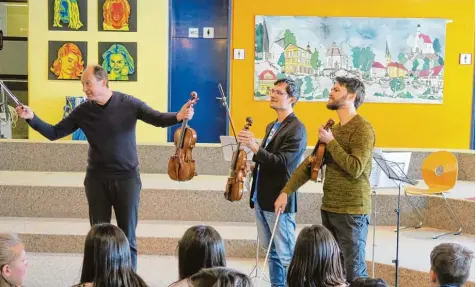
<point>316,260</point>
<point>369,282</point>
<point>107,259</point>
<point>200,247</point>
<point>219,277</point>
<point>450,265</point>
<point>12,260</point>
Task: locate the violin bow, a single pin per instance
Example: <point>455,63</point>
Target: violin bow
<point>223,100</point>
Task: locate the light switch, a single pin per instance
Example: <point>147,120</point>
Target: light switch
<point>239,54</point>
<point>465,59</point>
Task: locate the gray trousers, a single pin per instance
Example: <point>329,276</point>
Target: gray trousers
<point>350,232</point>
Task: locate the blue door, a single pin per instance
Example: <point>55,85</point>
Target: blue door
<point>199,64</point>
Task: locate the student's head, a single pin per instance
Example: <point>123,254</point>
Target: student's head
<point>95,82</point>
<point>368,282</point>
<point>107,258</point>
<point>346,92</point>
<point>13,261</point>
<point>219,277</point>
<point>316,260</point>
<point>200,247</point>
<point>284,94</point>
<point>450,264</point>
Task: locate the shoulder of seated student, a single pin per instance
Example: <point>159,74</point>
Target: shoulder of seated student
<point>181,283</point>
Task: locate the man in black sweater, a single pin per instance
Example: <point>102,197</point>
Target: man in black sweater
<point>109,120</point>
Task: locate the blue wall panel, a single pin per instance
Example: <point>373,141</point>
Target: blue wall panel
<point>199,64</point>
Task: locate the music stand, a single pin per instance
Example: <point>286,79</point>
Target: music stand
<point>394,172</point>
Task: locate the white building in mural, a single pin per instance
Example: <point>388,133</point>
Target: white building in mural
<point>422,44</point>
<point>335,58</point>
<point>277,48</point>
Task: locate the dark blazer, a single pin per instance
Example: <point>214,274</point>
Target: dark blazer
<point>277,162</point>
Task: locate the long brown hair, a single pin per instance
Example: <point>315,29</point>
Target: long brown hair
<point>316,261</point>
<point>7,254</point>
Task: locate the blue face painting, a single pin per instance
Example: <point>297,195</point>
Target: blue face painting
<point>64,11</point>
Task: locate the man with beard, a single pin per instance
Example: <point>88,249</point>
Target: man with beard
<point>346,202</point>
<point>276,159</point>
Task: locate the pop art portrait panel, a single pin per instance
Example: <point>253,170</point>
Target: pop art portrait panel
<point>68,15</point>
<point>119,59</point>
<point>117,15</point>
<point>66,60</point>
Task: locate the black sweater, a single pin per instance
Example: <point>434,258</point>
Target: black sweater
<point>110,131</point>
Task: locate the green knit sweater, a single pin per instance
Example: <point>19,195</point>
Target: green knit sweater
<point>348,165</point>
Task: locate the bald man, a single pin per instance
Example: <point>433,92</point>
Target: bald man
<point>109,121</point>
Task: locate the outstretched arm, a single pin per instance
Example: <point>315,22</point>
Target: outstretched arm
<point>52,132</point>
<point>158,119</point>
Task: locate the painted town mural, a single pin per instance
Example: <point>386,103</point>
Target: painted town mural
<point>399,60</point>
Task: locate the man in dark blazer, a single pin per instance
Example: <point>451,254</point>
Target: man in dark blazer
<point>275,160</point>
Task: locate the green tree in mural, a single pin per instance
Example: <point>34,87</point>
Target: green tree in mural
<point>415,65</point>
<point>299,84</point>
<point>402,58</point>
<point>426,64</point>
<point>309,86</point>
<point>367,59</point>
<point>397,84</point>
<point>281,60</point>
<point>289,38</point>
<point>281,76</point>
<point>356,57</point>
<point>437,46</point>
<point>259,40</point>
<point>441,61</point>
<point>315,63</point>
<point>325,93</point>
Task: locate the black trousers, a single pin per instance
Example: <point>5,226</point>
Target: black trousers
<point>121,194</point>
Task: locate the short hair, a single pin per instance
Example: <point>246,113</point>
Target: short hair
<point>368,282</point>
<point>291,88</point>
<point>451,262</point>
<point>220,276</point>
<point>100,74</point>
<point>354,86</point>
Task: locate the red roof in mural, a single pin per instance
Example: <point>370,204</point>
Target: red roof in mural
<point>263,74</point>
<point>378,65</point>
<point>426,38</point>
<point>398,65</point>
<point>435,71</point>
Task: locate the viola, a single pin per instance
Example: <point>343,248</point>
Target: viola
<point>240,169</point>
<point>316,160</point>
<point>182,165</point>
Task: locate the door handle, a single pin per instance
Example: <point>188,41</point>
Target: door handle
<point>1,40</point>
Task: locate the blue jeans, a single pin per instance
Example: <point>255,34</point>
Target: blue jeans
<point>350,232</point>
<point>282,249</point>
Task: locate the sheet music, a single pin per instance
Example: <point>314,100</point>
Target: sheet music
<point>378,179</point>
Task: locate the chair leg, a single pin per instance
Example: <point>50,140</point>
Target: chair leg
<point>455,219</point>
<point>415,211</point>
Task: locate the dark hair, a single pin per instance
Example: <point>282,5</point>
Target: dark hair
<point>353,86</point>
<point>220,277</point>
<point>200,247</point>
<point>291,88</point>
<point>368,282</point>
<point>100,74</point>
<point>107,258</point>
<point>316,260</point>
<point>451,262</point>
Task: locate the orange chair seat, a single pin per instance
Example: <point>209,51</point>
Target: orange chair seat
<point>430,190</point>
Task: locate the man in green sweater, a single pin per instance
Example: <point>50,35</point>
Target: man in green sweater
<point>348,159</point>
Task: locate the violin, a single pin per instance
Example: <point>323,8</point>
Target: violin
<point>182,165</point>
<point>240,169</point>
<point>316,160</point>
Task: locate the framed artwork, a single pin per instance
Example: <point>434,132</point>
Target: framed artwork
<point>119,59</point>
<point>66,60</point>
<point>117,15</point>
<point>68,15</point>
<point>399,60</point>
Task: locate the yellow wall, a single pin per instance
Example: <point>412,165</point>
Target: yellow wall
<point>397,125</point>
<point>47,97</point>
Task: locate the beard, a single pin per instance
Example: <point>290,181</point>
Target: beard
<point>337,104</point>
